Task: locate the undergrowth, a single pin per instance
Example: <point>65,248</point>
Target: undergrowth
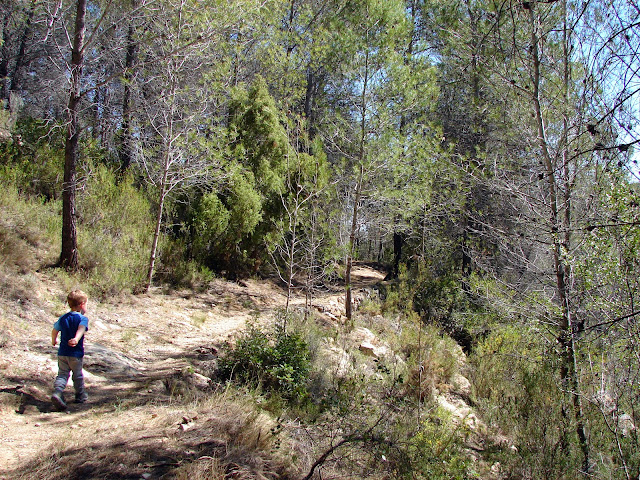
<point>114,231</point>
<point>275,359</point>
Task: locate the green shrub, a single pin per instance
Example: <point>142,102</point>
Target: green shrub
<point>114,232</point>
<point>174,269</point>
<point>29,229</point>
<point>434,359</point>
<point>114,228</point>
<point>438,450</point>
<point>276,360</point>
<point>209,223</point>
<point>34,161</point>
<point>518,389</point>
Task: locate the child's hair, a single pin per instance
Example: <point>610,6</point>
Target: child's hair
<point>76,298</point>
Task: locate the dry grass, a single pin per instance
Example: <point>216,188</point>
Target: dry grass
<point>204,468</point>
<point>129,429</point>
<point>219,438</point>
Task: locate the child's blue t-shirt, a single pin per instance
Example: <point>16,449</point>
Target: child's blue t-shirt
<point>68,325</point>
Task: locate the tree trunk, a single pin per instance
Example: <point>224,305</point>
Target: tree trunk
<point>291,255</point>
<point>356,201</point>
<point>571,361</point>
<point>154,246</point>
<point>4,61</point>
<point>20,58</point>
<point>126,152</point>
<point>560,231</point>
<point>348,302</point>
<point>69,253</point>
<point>156,233</point>
<point>398,242</point>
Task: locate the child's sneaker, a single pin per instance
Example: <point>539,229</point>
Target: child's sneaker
<point>82,397</point>
<point>58,401</point>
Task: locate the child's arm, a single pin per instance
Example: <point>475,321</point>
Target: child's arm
<point>54,337</point>
<point>79,333</point>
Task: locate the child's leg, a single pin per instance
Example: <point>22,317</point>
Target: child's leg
<point>63,374</point>
<point>78,377</point>
<point>60,383</point>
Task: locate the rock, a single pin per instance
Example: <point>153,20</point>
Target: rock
<point>332,316</point>
<point>336,359</point>
<point>28,409</point>
<point>362,335</point>
<point>460,385</point>
<point>371,350</point>
<point>186,426</point>
<point>368,349</point>
<point>606,403</point>
<point>199,381</point>
<point>625,424</point>
<point>461,413</point>
<point>104,360</point>
<point>100,325</point>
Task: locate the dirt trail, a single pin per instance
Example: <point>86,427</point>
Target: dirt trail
<point>135,346</point>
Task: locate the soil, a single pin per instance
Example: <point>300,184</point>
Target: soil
<point>135,346</point>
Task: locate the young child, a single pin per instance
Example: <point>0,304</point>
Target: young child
<point>71,326</point>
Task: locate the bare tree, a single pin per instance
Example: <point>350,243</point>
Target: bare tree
<point>306,179</point>
<point>568,75</point>
<point>175,98</point>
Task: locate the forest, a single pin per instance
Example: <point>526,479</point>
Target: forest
<point>482,152</point>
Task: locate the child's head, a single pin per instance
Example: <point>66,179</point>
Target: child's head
<point>76,299</point>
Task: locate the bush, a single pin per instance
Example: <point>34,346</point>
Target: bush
<point>276,360</point>
<point>34,161</point>
<point>438,450</point>
<point>434,360</point>
<point>114,227</point>
<point>518,389</point>
<point>29,229</point>
<point>114,232</point>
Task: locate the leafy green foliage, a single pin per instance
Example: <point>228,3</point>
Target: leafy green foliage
<point>245,204</point>
<point>221,221</point>
<point>230,226</point>
<point>115,230</point>
<point>29,228</point>
<point>209,222</point>
<point>517,387</point>
<point>261,141</point>
<point>115,222</point>
<point>276,360</point>
<point>434,360</point>
<point>437,450</point>
<point>33,160</point>
<point>176,269</point>
<point>438,298</point>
